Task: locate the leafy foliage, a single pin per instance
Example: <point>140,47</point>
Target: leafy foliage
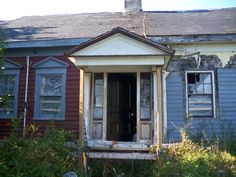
<point>38,155</point>
<point>184,159</point>
<point>193,160</point>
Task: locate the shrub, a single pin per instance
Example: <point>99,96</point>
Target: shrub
<point>38,155</point>
<point>193,160</point>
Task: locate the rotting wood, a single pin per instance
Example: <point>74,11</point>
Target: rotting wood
<point>159,100</point>
<point>116,155</point>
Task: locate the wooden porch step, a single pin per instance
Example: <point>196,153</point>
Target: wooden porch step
<point>123,155</point>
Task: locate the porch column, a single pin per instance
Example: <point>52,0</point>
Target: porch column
<point>159,115</point>
<point>81,107</point>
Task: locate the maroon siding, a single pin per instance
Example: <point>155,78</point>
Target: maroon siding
<point>71,121</point>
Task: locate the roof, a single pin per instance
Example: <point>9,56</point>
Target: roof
<point>124,32</point>
<point>89,25</point>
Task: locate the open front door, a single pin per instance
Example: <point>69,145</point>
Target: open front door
<point>121,107</point>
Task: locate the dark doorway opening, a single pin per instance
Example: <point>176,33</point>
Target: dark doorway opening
<point>121,107</point>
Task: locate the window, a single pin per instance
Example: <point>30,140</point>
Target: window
<point>9,89</point>
<point>8,94</point>
<point>200,93</point>
<point>50,89</point>
<point>98,96</point>
<point>145,96</point>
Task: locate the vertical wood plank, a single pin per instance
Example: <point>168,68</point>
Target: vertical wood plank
<point>155,109</point>
<point>81,108</point>
<point>104,134</point>
<point>87,117</point>
<point>159,101</point>
<point>138,107</point>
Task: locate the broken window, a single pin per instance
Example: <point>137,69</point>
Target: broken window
<point>200,94</point>
<point>98,96</point>
<point>50,95</point>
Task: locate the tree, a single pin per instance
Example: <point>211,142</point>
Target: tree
<point>3,99</point>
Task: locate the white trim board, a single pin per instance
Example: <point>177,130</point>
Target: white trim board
<point>120,61</point>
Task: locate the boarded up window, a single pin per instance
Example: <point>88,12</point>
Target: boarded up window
<point>98,96</point>
<point>200,94</point>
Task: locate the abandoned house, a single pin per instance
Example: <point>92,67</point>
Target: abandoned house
<point>122,81</point>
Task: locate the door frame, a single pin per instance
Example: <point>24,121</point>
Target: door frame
<point>154,122</point>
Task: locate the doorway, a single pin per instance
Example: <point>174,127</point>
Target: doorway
<point>121,107</point>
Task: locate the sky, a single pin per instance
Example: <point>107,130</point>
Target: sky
<point>12,9</point>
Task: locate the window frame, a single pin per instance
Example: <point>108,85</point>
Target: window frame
<point>16,87</point>
<point>49,66</point>
<point>49,72</point>
<point>12,68</point>
<point>213,92</point>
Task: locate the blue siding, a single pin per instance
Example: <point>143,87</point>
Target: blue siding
<point>175,105</point>
<point>224,125</point>
<point>227,99</point>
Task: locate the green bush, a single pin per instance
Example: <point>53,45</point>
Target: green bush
<point>188,159</point>
<point>38,155</point>
<point>184,159</point>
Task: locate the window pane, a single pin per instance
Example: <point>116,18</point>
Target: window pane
<point>207,89</point>
<point>145,113</point>
<point>191,78</point>
<point>97,113</point>
<point>7,84</point>
<point>206,78</point>
<point>99,90</point>
<point>8,108</point>
<point>145,96</point>
<point>51,85</point>
<point>191,88</point>
<point>199,88</point>
<point>98,101</point>
<point>98,96</point>
<point>51,106</point>
<point>7,92</point>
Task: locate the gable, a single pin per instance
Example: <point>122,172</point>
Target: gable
<point>50,62</point>
<point>9,64</point>
<point>119,44</point>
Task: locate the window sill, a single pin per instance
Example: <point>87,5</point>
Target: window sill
<point>48,119</point>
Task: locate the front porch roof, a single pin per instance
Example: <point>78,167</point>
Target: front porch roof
<point>125,34</point>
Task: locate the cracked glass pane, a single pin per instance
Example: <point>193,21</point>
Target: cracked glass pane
<point>51,85</point>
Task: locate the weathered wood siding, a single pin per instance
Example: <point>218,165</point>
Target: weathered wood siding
<point>71,121</point>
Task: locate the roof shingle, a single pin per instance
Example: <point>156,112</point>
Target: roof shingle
<point>222,21</point>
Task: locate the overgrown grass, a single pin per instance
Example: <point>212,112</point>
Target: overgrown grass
<point>38,155</point>
<point>184,159</point>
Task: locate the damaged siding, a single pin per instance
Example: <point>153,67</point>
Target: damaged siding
<point>224,123</point>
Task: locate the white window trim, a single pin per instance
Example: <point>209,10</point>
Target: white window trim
<point>213,91</point>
